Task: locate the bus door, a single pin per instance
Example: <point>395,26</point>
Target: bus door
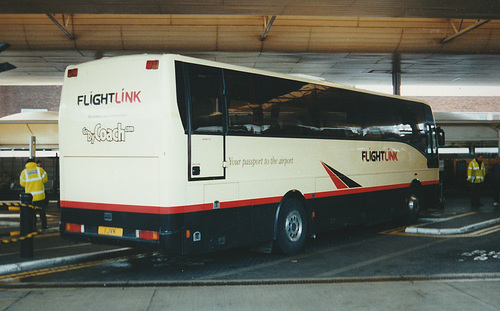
<point>206,128</point>
<point>432,146</point>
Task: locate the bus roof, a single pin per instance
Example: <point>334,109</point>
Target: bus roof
<point>211,63</point>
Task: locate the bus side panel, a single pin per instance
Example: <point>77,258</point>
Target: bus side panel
<point>365,208</point>
<point>121,180</point>
<point>229,227</point>
<point>431,196</point>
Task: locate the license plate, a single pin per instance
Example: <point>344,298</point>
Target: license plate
<point>110,231</point>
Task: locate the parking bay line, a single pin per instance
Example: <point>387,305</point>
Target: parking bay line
<point>378,259</point>
<point>283,261</point>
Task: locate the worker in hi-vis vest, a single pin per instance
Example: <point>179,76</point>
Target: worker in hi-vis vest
<point>33,178</point>
<point>475,175</point>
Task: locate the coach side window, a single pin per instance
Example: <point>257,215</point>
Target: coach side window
<point>414,116</point>
<point>287,107</point>
<point>205,99</point>
<point>339,115</point>
<point>181,93</point>
<point>244,111</point>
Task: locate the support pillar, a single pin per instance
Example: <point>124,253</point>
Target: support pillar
<point>396,74</point>
<point>32,147</point>
<point>396,83</point>
<point>498,143</point>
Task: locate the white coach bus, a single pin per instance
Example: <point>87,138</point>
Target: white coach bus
<point>193,156</point>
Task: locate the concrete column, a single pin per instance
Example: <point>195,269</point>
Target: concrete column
<point>499,142</point>
<point>32,147</point>
<point>396,74</point>
<point>396,83</point>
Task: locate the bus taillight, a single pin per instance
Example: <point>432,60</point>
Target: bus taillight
<point>152,64</point>
<point>75,228</point>
<point>73,73</point>
<point>147,235</point>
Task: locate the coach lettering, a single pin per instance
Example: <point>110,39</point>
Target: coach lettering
<point>102,134</point>
<point>379,156</point>
<point>109,98</point>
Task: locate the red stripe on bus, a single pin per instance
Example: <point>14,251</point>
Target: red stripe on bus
<point>168,210</point>
<point>165,210</point>
<point>430,183</point>
<point>336,180</point>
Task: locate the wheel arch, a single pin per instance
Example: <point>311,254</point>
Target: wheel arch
<point>417,187</point>
<point>416,184</point>
<point>292,194</point>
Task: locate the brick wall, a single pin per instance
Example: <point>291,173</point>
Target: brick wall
<point>15,98</point>
<point>464,103</point>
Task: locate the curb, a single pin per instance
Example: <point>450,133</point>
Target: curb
<point>449,231</point>
<point>47,263</point>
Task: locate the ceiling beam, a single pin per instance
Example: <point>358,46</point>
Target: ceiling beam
<point>460,33</point>
<point>268,22</point>
<point>54,20</point>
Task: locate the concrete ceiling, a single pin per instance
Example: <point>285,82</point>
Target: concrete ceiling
<point>350,42</point>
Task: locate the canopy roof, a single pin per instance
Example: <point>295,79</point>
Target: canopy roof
<point>16,130</point>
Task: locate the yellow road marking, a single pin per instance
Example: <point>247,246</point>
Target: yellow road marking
<point>21,275</point>
<point>46,271</point>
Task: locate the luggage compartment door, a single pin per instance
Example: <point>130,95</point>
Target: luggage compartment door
<point>207,157</point>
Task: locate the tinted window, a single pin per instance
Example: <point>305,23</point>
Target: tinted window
<point>200,87</point>
<point>264,105</point>
<point>245,112</point>
<point>261,105</point>
<point>206,104</point>
<point>338,113</point>
<point>181,93</point>
<point>269,106</point>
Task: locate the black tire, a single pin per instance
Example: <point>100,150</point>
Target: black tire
<point>412,205</point>
<point>291,227</point>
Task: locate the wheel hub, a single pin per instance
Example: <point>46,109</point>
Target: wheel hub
<point>293,226</point>
<point>413,204</point>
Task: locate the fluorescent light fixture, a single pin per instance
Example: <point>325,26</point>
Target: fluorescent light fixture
<point>454,150</point>
<point>486,150</point>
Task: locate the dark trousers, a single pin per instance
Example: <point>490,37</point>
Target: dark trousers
<point>474,195</point>
<point>42,204</point>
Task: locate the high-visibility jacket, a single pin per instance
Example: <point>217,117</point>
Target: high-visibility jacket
<point>33,179</point>
<point>475,174</point>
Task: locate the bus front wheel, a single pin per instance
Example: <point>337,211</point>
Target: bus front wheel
<point>412,206</point>
<point>292,227</point>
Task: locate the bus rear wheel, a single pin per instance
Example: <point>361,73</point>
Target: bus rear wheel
<point>292,227</point>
